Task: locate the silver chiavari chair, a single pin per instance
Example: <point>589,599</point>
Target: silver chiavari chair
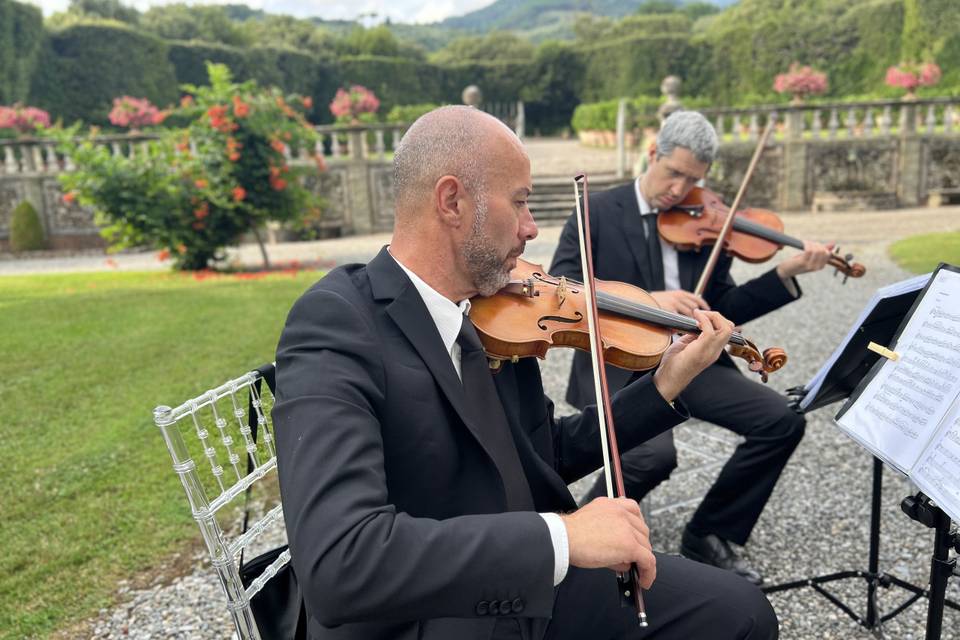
<point>220,458</point>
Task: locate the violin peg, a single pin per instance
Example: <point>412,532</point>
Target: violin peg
<point>848,257</point>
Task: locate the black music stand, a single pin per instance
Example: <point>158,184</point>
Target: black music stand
<point>853,363</point>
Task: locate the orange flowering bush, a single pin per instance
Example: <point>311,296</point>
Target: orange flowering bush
<point>199,189</point>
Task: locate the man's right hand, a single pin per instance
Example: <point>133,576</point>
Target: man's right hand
<point>608,533</point>
<point>687,357</point>
<point>680,301</point>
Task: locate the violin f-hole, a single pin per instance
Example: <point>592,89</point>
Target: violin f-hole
<point>576,320</point>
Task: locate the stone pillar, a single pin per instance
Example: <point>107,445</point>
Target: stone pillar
<point>792,193</point>
<point>359,216</point>
<point>910,161</point>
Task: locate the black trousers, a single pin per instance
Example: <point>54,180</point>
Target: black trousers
<point>688,601</point>
<point>724,396</point>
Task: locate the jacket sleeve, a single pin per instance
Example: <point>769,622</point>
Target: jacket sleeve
<point>355,556</point>
<point>750,300</point>
<point>639,413</point>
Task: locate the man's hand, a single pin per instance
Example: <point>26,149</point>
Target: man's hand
<point>814,257</point>
<point>690,355</point>
<point>611,534</point>
<point>679,301</point>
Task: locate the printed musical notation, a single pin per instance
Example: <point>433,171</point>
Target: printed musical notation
<point>903,407</point>
<point>938,470</point>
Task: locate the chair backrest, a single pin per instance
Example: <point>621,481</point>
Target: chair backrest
<point>221,443</point>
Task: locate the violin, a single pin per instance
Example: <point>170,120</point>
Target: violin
<point>536,311</point>
<point>756,235</point>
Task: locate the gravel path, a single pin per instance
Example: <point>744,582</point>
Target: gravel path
<point>816,521</point>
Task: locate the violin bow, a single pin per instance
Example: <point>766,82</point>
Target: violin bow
<point>728,223</point>
<point>629,583</point>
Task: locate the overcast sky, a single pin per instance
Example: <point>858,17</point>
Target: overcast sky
<point>396,10</point>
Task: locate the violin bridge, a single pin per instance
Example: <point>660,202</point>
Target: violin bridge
<point>562,290</point>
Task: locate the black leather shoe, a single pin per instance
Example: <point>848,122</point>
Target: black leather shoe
<point>714,550</point>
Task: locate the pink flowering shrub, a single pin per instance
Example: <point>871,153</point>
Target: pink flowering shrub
<point>800,81</point>
<point>348,105</point>
<point>23,119</point>
<point>135,112</point>
<point>910,75</point>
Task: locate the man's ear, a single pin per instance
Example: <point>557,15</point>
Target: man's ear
<point>449,196</point>
<point>652,153</point>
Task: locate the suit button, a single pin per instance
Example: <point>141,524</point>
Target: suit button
<point>505,608</point>
<point>483,608</point>
<point>517,605</point>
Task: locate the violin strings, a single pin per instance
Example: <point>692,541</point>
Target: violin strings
<point>652,314</point>
<point>640,311</point>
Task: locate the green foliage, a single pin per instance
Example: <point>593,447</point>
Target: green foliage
<point>89,64</point>
<point>405,114</point>
<point>104,9</point>
<point>26,230</point>
<point>393,80</point>
<point>496,46</point>
<point>635,66</point>
<point>555,90</point>
<point>198,190</point>
<point>876,26</point>
<point>287,32</point>
<point>378,41</point>
<point>21,40</point>
<point>194,22</point>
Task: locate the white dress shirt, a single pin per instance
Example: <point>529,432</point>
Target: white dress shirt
<point>448,316</point>
<point>671,268</point>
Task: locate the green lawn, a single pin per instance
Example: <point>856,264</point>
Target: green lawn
<point>88,495</point>
<point>921,254</point>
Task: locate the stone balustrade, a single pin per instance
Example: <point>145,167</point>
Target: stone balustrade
<point>832,121</point>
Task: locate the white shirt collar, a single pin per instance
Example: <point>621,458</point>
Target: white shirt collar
<point>447,315</point>
<point>645,209</point>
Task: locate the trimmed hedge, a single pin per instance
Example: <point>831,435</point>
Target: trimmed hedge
<point>87,65</point>
<point>26,230</point>
<point>635,65</point>
<point>21,39</point>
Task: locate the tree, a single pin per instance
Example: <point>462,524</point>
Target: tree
<point>184,22</point>
<point>107,9</point>
<point>496,46</point>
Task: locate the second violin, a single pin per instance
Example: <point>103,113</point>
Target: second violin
<point>756,236</point>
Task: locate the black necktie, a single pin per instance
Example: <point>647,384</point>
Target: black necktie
<point>484,406</point>
<point>653,253</point>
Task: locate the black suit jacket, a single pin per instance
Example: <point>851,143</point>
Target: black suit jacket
<point>395,512</point>
<point>619,253</point>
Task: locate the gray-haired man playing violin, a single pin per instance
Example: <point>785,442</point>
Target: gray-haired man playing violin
<point>628,248</point>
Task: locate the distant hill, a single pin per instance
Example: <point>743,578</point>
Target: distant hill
<point>546,15</point>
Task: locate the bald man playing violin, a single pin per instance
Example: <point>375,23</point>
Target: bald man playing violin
<point>628,248</point>
<point>425,497</point>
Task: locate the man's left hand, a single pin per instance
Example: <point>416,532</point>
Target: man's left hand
<point>814,257</point>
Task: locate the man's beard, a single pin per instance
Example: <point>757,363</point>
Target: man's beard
<point>483,262</point>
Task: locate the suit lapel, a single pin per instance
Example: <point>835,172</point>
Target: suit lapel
<point>408,311</point>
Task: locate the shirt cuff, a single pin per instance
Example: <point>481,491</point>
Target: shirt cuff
<point>561,547</point>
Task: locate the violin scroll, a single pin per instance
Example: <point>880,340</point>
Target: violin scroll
<point>842,264</point>
<point>771,360</point>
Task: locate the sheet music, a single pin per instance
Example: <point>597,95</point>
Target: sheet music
<point>904,286</point>
<point>938,471</point>
<point>902,407</point>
